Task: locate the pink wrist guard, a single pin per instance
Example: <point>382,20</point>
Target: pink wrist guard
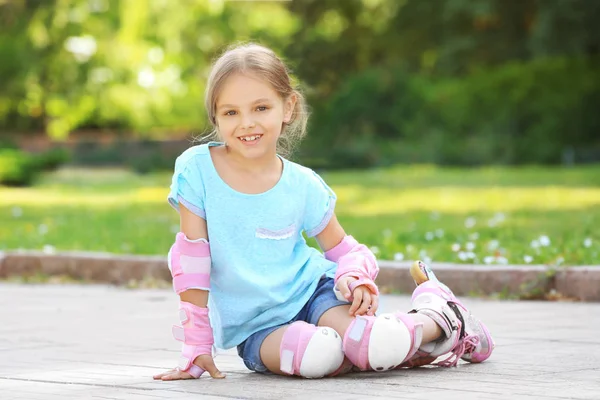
<point>196,335</point>
<point>189,262</point>
<point>356,260</point>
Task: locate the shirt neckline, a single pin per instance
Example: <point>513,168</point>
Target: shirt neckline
<point>284,173</point>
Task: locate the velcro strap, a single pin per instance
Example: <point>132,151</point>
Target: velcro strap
<point>416,330</point>
<point>193,336</point>
<point>293,345</point>
<point>356,341</point>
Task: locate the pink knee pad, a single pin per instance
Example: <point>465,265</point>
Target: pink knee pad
<point>310,351</point>
<point>383,342</point>
<point>196,335</point>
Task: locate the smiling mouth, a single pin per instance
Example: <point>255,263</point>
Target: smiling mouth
<point>250,138</point>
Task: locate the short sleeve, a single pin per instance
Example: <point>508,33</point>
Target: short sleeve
<point>320,204</point>
<point>187,187</point>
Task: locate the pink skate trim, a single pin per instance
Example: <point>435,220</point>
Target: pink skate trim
<point>293,345</point>
<point>356,341</point>
<point>196,334</point>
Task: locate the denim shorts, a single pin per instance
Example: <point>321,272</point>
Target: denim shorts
<point>322,300</point>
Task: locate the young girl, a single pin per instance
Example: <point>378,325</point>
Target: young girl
<point>270,294</point>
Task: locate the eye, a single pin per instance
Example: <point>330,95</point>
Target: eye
<point>230,112</point>
<point>262,108</point>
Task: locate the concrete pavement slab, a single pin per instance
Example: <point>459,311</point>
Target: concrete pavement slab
<point>105,342</point>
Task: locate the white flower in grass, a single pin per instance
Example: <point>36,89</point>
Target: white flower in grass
<point>387,233</point>
<point>474,236</point>
<point>560,260</point>
<point>527,259</point>
<point>42,229</point>
<point>375,249</point>
<point>470,246</point>
<point>422,254</point>
<point>488,259</point>
<point>410,248</point>
<point>49,249</point>
<point>491,223</point>
<point>502,260</point>
<point>435,215</point>
<point>544,241</point>
<point>493,245</point>
<point>455,247</point>
<point>500,217</point>
<point>462,255</point>
<point>16,212</point>
<point>587,242</point>
<point>126,247</point>
<point>439,233</point>
<point>398,257</point>
<point>427,260</point>
<point>429,236</point>
<point>470,222</point>
<point>470,255</point>
<point>535,244</point>
<point>174,228</point>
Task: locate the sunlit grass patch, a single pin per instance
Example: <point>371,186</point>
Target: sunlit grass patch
<point>547,216</point>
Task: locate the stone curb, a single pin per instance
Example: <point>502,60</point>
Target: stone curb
<point>580,283</point>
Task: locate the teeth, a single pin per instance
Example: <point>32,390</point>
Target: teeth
<point>249,138</point>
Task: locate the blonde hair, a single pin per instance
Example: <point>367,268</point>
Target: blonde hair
<point>264,63</point>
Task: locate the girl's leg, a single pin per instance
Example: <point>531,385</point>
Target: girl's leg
<point>302,349</point>
<point>339,319</point>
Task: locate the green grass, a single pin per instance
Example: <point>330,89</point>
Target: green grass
<point>402,212</point>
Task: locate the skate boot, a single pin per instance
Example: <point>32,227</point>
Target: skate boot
<point>466,337</point>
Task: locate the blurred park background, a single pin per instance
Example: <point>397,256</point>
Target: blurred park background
<point>452,130</point>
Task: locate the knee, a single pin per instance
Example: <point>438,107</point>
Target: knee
<point>383,342</point>
<point>310,351</point>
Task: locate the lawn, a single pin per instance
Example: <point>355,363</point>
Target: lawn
<point>529,215</point>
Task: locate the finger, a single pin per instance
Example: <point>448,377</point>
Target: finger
<point>366,302</point>
<point>356,303</point>
<point>343,287</point>
<point>374,304</point>
<point>177,376</point>
<point>211,368</point>
<point>159,376</point>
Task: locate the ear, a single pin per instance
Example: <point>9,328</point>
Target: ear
<point>288,107</point>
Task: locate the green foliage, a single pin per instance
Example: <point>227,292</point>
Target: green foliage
<point>16,168</point>
<point>450,81</point>
<point>516,113</point>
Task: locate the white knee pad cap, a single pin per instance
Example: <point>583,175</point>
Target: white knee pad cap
<point>310,351</point>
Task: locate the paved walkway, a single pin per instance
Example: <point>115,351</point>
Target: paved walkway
<point>99,342</point>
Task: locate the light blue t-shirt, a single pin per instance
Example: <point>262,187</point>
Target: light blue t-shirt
<point>263,272</point>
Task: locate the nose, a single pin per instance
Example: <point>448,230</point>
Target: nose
<point>247,122</point>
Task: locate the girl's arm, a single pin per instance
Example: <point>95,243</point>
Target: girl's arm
<point>196,325</point>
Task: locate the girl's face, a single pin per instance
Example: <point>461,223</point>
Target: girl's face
<point>250,114</point>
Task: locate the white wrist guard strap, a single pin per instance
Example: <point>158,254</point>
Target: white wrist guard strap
<point>189,262</point>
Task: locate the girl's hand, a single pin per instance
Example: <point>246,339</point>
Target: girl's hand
<point>205,362</point>
<point>365,301</point>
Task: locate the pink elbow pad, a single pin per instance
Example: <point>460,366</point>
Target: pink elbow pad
<point>189,262</point>
<point>196,335</point>
<point>354,259</point>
